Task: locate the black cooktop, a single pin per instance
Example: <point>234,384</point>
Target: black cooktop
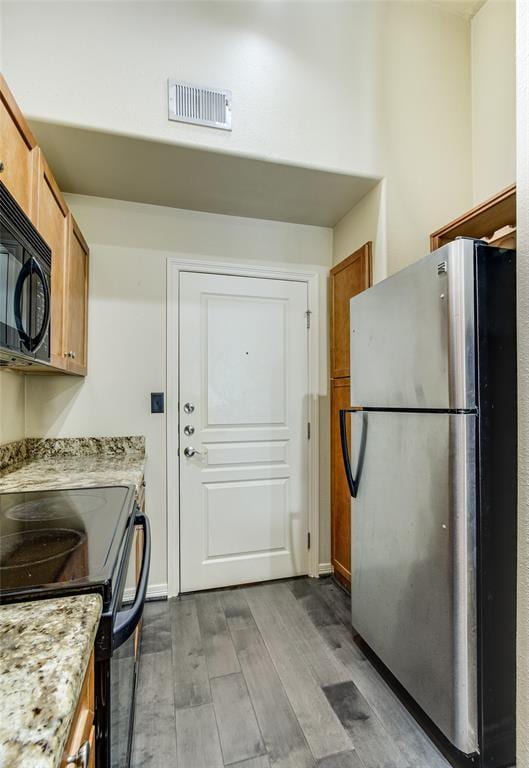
<point>63,541</point>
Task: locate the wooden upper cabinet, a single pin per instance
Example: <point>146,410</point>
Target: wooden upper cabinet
<point>18,150</point>
<point>76,300</point>
<point>52,223</point>
<point>28,177</point>
<point>349,277</point>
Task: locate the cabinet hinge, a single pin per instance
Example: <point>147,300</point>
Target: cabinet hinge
<point>308,540</point>
<point>308,313</point>
<point>308,430</point>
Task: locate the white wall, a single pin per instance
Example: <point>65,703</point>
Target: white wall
<point>127,326</point>
<point>523,380</point>
<point>12,406</point>
<point>493,40</point>
<point>381,88</point>
<point>366,221</point>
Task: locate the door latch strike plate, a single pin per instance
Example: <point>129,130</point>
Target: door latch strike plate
<point>308,313</point>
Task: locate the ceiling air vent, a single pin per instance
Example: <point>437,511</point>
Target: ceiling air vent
<point>198,105</point>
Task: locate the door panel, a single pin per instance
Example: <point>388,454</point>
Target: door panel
<point>18,152</point>
<point>52,222</point>
<point>413,558</point>
<point>243,370</point>
<point>412,335</point>
<point>76,310</point>
<point>349,277</point>
<point>340,496</point>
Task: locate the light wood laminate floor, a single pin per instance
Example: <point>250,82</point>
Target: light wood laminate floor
<point>266,676</point>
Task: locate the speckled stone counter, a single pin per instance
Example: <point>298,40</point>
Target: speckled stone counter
<point>73,463</point>
<point>45,647</point>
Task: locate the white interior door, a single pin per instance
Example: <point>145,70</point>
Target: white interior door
<point>243,406</point>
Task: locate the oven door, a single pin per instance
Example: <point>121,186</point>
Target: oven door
<point>125,660</point>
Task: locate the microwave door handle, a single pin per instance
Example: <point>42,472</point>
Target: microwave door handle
<point>37,340</point>
<point>23,275</point>
<point>126,621</point>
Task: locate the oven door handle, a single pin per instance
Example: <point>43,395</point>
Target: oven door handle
<point>127,621</point>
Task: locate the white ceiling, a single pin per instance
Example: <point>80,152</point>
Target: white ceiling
<point>124,168</point>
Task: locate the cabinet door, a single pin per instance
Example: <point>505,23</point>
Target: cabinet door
<point>17,152</point>
<point>76,300</point>
<point>340,495</point>
<point>52,223</point>
<point>349,277</point>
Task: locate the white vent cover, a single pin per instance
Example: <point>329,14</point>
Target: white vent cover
<point>190,103</point>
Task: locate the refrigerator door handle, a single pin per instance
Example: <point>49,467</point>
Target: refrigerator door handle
<point>352,482</point>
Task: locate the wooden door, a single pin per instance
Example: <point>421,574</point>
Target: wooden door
<point>243,422</point>
<point>348,278</point>
<point>52,223</point>
<point>76,302</point>
<point>17,152</point>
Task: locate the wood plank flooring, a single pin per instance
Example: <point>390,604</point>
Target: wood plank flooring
<point>266,677</point>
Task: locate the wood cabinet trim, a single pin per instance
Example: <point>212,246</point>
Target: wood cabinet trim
<point>17,116</point>
<point>481,221</point>
<point>47,174</point>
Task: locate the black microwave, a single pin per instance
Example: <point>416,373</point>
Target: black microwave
<point>25,280</point>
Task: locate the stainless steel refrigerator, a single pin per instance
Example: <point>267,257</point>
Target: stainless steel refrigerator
<point>431,462</point>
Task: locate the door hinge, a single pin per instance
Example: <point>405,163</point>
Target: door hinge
<point>308,540</point>
<point>308,430</point>
<point>308,313</point>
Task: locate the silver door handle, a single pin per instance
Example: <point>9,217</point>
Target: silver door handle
<point>189,452</point>
<point>82,758</point>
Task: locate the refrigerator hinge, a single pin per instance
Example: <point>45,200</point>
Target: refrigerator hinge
<point>308,430</point>
<point>308,313</point>
<point>308,540</point>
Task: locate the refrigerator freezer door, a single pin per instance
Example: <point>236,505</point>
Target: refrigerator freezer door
<point>412,335</point>
<point>413,558</point>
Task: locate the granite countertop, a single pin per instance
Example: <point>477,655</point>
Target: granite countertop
<point>45,647</point>
<point>37,465</point>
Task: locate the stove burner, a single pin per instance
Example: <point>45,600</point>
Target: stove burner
<point>53,508</point>
<point>39,546</point>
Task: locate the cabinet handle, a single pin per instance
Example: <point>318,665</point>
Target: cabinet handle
<point>2,166</point>
<point>82,758</point>
<point>73,355</point>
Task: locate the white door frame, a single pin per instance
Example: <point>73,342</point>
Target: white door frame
<point>185,263</point>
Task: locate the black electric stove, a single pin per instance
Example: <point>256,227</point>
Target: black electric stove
<point>67,542</point>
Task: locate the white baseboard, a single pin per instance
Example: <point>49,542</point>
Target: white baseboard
<point>153,591</point>
<point>324,569</point>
